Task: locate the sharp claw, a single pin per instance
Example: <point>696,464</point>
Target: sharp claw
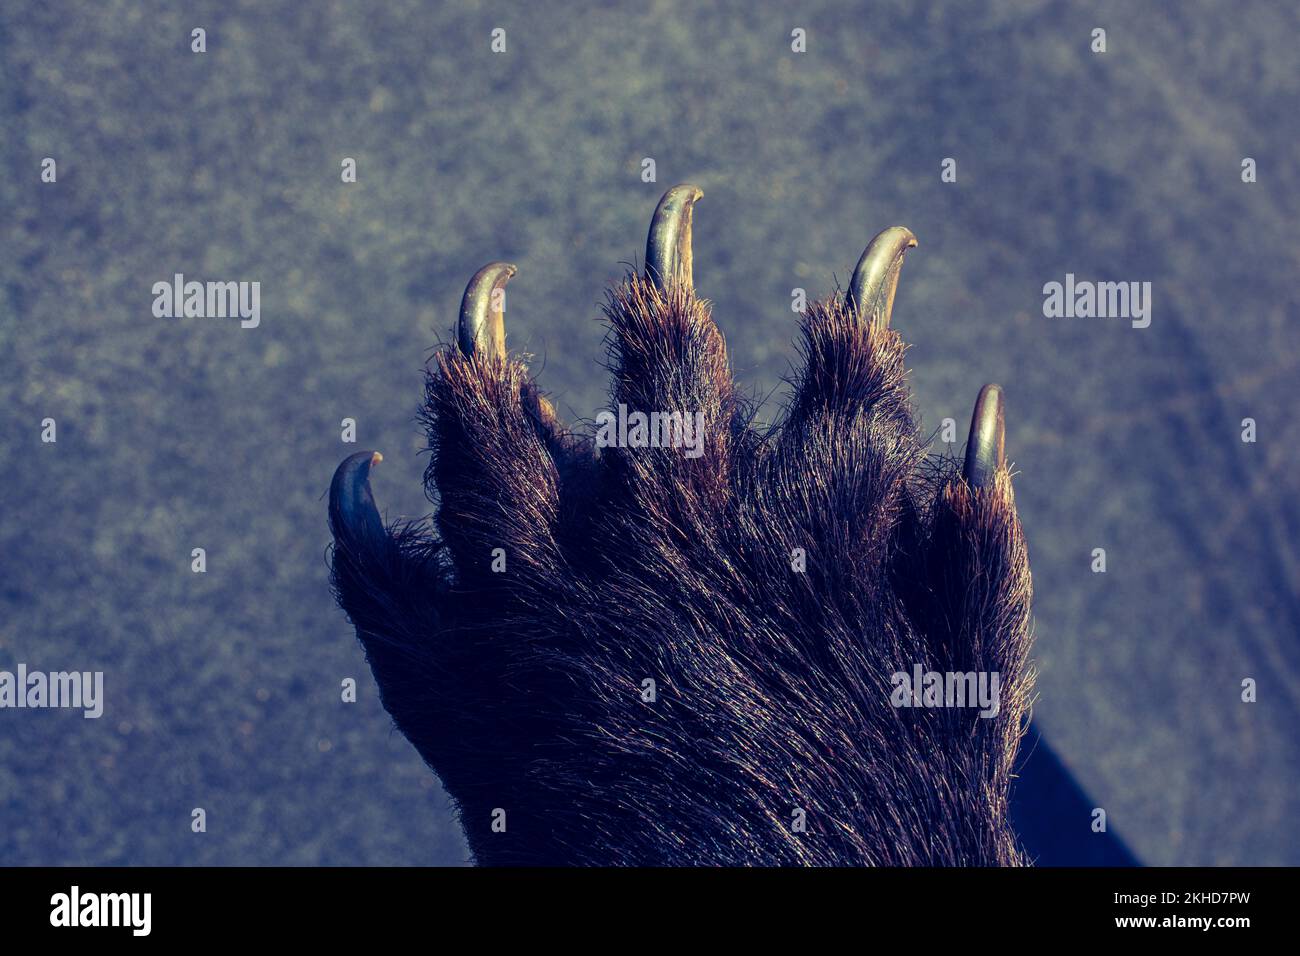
<point>875,279</point>
<point>668,247</point>
<point>482,325</point>
<point>984,451</point>
<point>546,412</point>
<point>539,406</point>
<point>353,515</point>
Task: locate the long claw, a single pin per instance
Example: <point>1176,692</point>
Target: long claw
<point>539,406</point>
<point>875,279</point>
<point>353,515</point>
<point>482,326</point>
<point>668,247</point>
<point>984,447</point>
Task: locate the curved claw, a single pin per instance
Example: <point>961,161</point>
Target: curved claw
<point>482,326</point>
<point>539,407</point>
<point>668,247</point>
<point>875,278</point>
<point>984,447</point>
<point>353,515</point>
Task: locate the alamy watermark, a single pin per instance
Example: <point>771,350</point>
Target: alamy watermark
<point>924,688</point>
<point>74,908</point>
<point>179,299</point>
<point>654,430</point>
<point>75,690</point>
<point>1083,299</point>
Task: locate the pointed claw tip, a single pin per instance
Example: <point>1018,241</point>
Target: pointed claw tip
<point>875,278</point>
<point>985,452</point>
<point>482,312</point>
<point>353,515</point>
<point>668,251</point>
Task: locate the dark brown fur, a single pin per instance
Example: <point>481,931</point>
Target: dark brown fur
<point>523,689</point>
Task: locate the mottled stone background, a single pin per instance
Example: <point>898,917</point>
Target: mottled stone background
<point>223,689</point>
